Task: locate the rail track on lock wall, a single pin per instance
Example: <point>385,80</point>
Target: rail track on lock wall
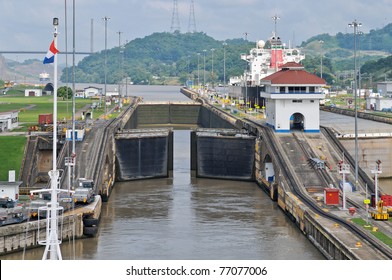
<point>328,133</point>
<point>109,127</point>
<point>272,144</point>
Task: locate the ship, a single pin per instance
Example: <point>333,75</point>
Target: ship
<point>263,60</point>
<point>11,213</point>
<point>44,77</point>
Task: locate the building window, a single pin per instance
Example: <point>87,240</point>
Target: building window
<point>282,89</point>
<point>297,89</point>
<point>297,101</point>
<point>312,89</point>
<point>311,101</point>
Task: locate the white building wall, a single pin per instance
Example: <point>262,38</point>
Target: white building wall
<point>91,92</point>
<point>37,92</point>
<point>9,120</point>
<point>385,88</point>
<point>270,112</point>
<point>383,103</point>
<point>10,191</point>
<point>287,108</point>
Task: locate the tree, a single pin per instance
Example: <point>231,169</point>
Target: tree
<point>64,92</point>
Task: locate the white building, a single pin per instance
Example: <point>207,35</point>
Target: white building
<point>79,93</point>
<point>385,88</point>
<point>10,189</point>
<point>91,91</point>
<point>33,92</point>
<point>9,120</point>
<point>379,103</point>
<point>292,99</point>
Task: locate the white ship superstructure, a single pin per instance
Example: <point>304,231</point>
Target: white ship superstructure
<point>265,59</point>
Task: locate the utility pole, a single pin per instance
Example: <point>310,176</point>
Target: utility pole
<point>212,67</point>
<point>198,71</point>
<point>224,65</point>
<point>321,58</point>
<point>119,62</point>
<point>73,96</point>
<point>355,25</point>
<point>204,79</point>
<point>106,54</point>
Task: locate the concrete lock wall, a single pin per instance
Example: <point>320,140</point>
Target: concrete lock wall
<point>142,154</point>
<point>217,154</point>
<point>166,113</point>
<point>173,113</point>
<point>26,235</point>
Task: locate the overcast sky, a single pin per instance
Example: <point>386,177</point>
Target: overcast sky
<point>27,24</point>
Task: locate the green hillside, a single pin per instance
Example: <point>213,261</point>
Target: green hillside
<point>338,55</point>
<point>167,58</point>
<point>163,57</point>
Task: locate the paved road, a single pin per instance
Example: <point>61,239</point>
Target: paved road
<point>346,124</point>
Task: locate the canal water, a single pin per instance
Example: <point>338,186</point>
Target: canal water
<point>187,218</point>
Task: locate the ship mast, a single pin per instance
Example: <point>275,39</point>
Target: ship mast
<point>52,242</point>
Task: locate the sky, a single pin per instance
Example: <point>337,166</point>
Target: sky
<point>26,25</point>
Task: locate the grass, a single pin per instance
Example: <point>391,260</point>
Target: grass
<point>31,107</point>
<point>12,147</point>
<point>378,234</point>
<point>11,155</point>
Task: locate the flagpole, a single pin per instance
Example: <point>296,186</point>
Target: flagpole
<point>52,237</point>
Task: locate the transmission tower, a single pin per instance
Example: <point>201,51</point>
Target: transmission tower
<point>192,20</point>
<point>175,23</point>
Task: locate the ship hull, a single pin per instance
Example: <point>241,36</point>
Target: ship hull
<point>252,94</point>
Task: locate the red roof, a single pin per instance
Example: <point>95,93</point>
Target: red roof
<point>293,73</point>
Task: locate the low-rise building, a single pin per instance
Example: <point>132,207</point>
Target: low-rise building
<point>10,188</point>
<point>33,92</point>
<point>292,99</point>
<point>385,88</point>
<point>91,91</point>
<point>9,120</point>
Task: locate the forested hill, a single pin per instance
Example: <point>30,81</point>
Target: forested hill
<point>375,40</point>
<point>167,58</point>
<point>163,58</point>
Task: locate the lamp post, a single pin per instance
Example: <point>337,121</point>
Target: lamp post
<point>212,67</point>
<point>355,25</point>
<point>204,60</point>
<point>198,71</point>
<point>119,61</point>
<point>359,64</point>
<point>106,54</point>
<point>224,65</point>
<point>321,58</point>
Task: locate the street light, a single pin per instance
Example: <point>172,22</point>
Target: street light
<point>355,25</point>
<point>359,64</point>
<point>106,54</point>
<point>198,71</point>
<point>321,57</point>
<point>204,59</point>
<point>119,62</point>
<point>212,67</point>
<point>224,65</point>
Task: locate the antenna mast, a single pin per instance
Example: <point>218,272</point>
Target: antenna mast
<point>175,23</point>
<point>192,20</point>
